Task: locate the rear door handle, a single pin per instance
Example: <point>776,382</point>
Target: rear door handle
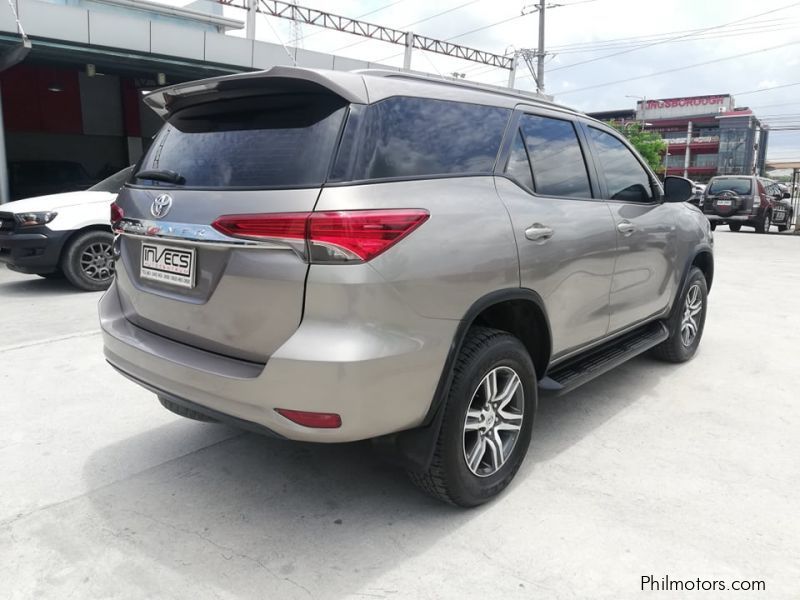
<point>626,227</point>
<point>538,233</point>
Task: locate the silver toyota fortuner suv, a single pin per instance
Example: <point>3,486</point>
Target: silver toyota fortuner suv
<point>329,256</point>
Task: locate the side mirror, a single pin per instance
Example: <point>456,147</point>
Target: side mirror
<point>786,195</point>
<point>677,189</point>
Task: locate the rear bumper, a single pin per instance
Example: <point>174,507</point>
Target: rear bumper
<point>35,252</point>
<point>379,380</point>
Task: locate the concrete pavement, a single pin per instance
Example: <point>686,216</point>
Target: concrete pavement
<point>689,471</point>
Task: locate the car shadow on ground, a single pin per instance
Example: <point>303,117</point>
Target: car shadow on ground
<point>33,284</point>
<point>562,421</point>
<point>287,512</point>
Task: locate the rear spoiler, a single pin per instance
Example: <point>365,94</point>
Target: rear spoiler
<point>349,86</point>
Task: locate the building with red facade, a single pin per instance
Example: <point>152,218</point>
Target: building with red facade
<point>706,135</point>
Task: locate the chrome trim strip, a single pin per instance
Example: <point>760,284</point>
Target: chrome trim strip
<point>199,235</point>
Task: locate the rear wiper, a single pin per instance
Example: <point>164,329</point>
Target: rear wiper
<point>161,175</point>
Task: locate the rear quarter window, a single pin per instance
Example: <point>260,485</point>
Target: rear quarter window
<point>417,137</point>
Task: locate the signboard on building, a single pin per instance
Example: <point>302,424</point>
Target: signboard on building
<point>681,108</point>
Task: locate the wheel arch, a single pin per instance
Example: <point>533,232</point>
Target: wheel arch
<point>519,311</point>
<point>704,260</point>
<point>78,232</point>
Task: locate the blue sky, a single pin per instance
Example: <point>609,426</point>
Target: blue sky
<point>765,37</point>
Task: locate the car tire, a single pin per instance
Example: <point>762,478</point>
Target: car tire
<point>765,223</point>
<point>182,411</point>
<point>477,425</point>
<point>735,226</point>
<point>87,262</point>
<point>787,224</point>
<point>688,316</point>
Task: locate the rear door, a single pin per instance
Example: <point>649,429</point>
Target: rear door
<point>565,236</point>
<point>645,276</point>
<point>180,277</point>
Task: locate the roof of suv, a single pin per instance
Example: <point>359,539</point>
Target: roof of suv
<point>362,87</point>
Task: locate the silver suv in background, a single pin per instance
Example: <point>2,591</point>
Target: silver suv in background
<point>328,257</point>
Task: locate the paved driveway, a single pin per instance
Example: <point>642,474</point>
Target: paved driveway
<point>689,471</point>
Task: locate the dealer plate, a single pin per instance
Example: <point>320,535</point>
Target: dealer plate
<point>779,216</point>
<point>168,264</point>
<point>723,202</point>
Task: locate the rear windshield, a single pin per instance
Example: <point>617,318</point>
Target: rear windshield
<point>740,185</point>
<point>412,137</point>
<point>285,140</point>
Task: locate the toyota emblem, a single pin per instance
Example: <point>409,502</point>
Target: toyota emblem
<point>161,206</point>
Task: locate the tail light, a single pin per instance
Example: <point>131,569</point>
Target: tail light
<point>340,236</point>
<point>117,214</point>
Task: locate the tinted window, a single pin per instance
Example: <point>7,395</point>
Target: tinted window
<point>518,166</point>
<point>556,157</point>
<point>409,137</point>
<point>113,183</point>
<point>740,185</point>
<point>625,177</point>
<point>270,141</point>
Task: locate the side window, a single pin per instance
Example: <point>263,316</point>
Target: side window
<point>518,166</point>
<point>420,137</point>
<point>556,157</point>
<point>626,178</point>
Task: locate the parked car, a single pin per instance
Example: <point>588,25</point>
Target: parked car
<point>329,257</point>
<point>30,178</point>
<point>737,200</point>
<point>63,235</point>
<point>697,193</point>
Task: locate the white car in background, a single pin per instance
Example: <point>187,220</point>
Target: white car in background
<point>65,235</point>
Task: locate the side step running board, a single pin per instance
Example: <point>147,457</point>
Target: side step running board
<point>585,367</point>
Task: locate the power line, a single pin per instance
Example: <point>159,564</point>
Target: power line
<point>773,105</point>
<point>439,14</point>
<point>591,60</point>
<point>734,32</point>
<point>495,24</point>
<point>684,67</point>
<point>361,16</point>
<point>648,38</point>
<point>766,89</point>
<point>467,33</point>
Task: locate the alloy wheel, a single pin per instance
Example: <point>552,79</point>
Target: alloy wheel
<point>692,308</point>
<point>493,421</point>
<point>96,261</point>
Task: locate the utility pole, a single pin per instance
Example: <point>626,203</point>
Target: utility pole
<point>528,54</point>
<point>250,26</point>
<point>540,51</point>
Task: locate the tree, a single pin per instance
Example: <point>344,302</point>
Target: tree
<point>648,143</point>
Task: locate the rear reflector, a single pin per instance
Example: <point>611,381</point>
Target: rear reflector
<point>340,236</point>
<point>311,419</point>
